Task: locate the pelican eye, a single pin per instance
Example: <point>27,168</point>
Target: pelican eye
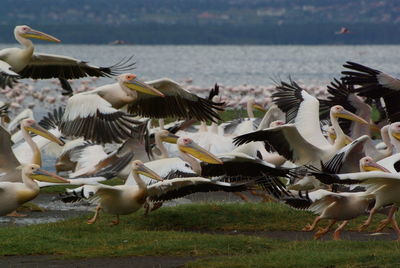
<point>131,77</point>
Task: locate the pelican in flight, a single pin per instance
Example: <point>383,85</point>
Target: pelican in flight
<point>14,194</point>
<point>301,149</point>
<point>126,199</point>
<point>95,115</point>
<point>9,161</point>
<point>24,63</point>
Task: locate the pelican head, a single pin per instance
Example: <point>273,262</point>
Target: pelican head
<point>140,168</point>
<point>368,164</point>
<point>32,126</point>
<point>187,145</point>
<point>394,130</point>
<point>34,172</point>
<point>166,136</point>
<point>27,32</point>
<point>131,82</point>
<point>331,132</point>
<point>340,112</point>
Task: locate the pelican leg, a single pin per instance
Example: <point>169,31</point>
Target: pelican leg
<point>15,214</point>
<point>242,196</point>
<point>364,226</point>
<point>115,222</point>
<point>396,228</point>
<point>96,214</point>
<point>323,231</point>
<point>156,206</point>
<point>311,227</point>
<point>146,208</point>
<point>336,234</point>
<point>388,220</point>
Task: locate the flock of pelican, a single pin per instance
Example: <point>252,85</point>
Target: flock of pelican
<point>328,156</point>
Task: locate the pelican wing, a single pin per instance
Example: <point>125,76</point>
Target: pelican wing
<point>372,177</point>
<point>242,167</point>
<point>288,98</point>
<point>93,118</point>
<point>302,109</point>
<point>324,200</point>
<point>91,192</point>
<point>177,103</point>
<point>8,160</point>
<point>179,187</point>
<point>7,77</point>
<point>44,66</point>
<point>286,140</point>
<point>373,83</point>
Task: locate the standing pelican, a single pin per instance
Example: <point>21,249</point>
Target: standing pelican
<point>126,199</point>
<point>24,63</point>
<point>14,194</point>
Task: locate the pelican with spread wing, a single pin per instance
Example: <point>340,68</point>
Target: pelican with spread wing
<point>126,199</point>
<point>95,115</point>
<point>24,63</point>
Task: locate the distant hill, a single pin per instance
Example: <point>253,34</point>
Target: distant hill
<point>206,21</point>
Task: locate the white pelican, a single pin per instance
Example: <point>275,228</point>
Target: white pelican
<point>27,64</point>
<point>384,186</point>
<point>95,115</point>
<point>126,199</point>
<point>332,206</point>
<point>14,194</point>
<point>9,161</point>
<point>344,206</point>
<point>299,144</point>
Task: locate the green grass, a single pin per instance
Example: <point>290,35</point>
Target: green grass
<point>185,231</point>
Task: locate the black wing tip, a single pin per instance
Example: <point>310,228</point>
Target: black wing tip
<point>123,66</point>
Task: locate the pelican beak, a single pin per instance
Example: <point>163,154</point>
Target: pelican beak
<point>375,167</point>
<point>140,86</point>
<point>200,153</point>
<point>37,129</point>
<point>350,116</point>
<point>332,135</point>
<point>375,128</point>
<point>259,107</point>
<point>149,173</point>
<point>396,135</point>
<point>171,138</point>
<point>45,176</point>
<point>39,35</point>
<point>348,140</point>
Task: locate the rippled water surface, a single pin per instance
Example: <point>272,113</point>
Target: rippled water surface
<point>234,65</point>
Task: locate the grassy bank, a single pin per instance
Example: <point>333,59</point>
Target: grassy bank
<point>182,231</point>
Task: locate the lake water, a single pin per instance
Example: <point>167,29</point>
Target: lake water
<point>234,65</point>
